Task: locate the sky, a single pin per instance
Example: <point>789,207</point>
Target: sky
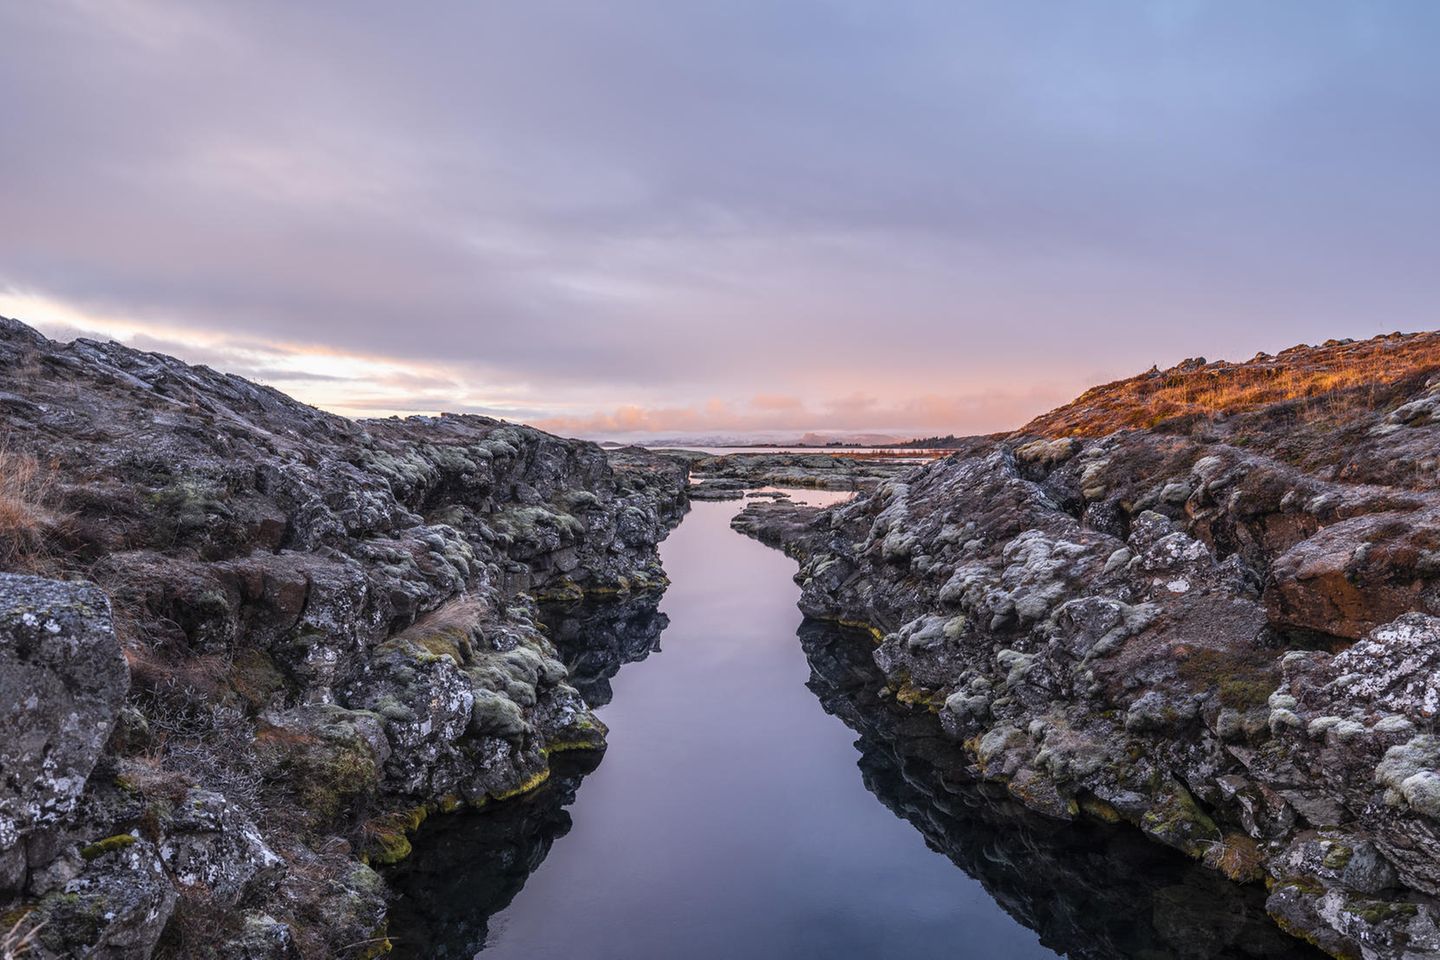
<point>647,218</point>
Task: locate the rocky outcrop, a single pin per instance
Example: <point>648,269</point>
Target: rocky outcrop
<point>823,471</point>
<point>330,630</point>
<point>1089,888</point>
<point>1215,630</point>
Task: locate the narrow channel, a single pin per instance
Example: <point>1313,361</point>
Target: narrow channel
<point>728,819</point>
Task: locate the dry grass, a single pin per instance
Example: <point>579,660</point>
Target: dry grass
<point>446,629</point>
<point>17,941</point>
<point>461,614</point>
<point>194,729</point>
<point>168,674</point>
<point>1331,383</point>
<point>27,516</point>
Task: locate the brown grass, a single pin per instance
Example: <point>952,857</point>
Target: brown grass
<point>27,517</point>
<point>167,672</point>
<point>1331,383</point>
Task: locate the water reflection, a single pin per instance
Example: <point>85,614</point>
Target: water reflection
<point>1090,890</point>
<point>468,867</point>
<point>596,638</point>
<point>728,819</point>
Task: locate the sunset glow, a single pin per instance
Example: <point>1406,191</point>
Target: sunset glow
<point>904,219</point>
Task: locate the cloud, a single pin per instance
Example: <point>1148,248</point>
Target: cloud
<point>959,413</point>
<point>573,212</point>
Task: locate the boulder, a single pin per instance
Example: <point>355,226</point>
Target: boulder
<point>62,681</point>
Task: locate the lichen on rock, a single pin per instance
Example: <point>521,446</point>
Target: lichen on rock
<point>318,624</point>
<point>1220,630</point>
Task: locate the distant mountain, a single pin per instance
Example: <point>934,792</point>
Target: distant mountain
<point>822,438</point>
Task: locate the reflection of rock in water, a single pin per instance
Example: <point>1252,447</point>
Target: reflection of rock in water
<point>596,637</point>
<point>468,867</point>
<point>1089,890</point>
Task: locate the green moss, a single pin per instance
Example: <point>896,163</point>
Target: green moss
<point>330,769</point>
<point>1337,857</point>
<point>183,509</point>
<point>377,946</point>
<point>1380,911</point>
<point>336,776</point>
<point>110,844</point>
<point>13,917</point>
<point>387,838</point>
<point>1245,694</point>
<point>1177,820</point>
<point>913,696</point>
<point>1241,680</point>
<point>528,784</point>
<point>1099,809</point>
<point>563,746</point>
<point>445,643</point>
<point>388,847</point>
<point>1309,886</point>
<point>566,591</point>
<point>255,677</point>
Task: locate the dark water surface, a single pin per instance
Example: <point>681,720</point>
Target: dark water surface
<point>735,813</point>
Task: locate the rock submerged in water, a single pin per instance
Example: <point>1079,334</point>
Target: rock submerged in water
<point>718,490</point>
<point>821,471</point>
<point>331,633</point>
<point>1225,633</point>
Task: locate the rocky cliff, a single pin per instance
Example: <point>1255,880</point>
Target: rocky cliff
<point>1204,602</point>
<point>246,646</point>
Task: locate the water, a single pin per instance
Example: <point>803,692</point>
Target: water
<point>735,814</point>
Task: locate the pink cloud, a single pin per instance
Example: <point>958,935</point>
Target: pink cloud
<point>978,412</point>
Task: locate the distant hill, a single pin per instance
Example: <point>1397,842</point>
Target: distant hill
<point>1335,379</point>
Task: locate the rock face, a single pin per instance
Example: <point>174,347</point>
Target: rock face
<point>1090,889</point>
<point>62,682</point>
<point>330,629</point>
<point>1222,629</point>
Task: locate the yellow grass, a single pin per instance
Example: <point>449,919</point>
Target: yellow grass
<point>1330,383</point>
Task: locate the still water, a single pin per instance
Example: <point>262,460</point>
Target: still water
<point>735,813</point>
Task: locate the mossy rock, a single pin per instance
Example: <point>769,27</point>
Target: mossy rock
<point>1099,809</point>
<point>387,837</point>
<point>525,786</point>
<point>331,767</point>
<point>255,677</point>
<point>1380,911</point>
<point>1241,680</point>
<point>1178,821</point>
<point>109,845</point>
